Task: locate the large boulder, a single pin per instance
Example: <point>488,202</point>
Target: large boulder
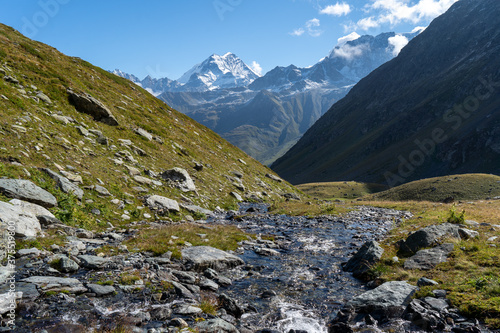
<point>429,236</point>
<point>156,202</point>
<point>385,302</point>
<point>25,190</point>
<point>65,184</point>
<point>31,208</point>
<point>25,223</point>
<point>180,179</point>
<point>91,106</point>
<point>203,257</point>
<point>368,255</point>
<point>428,259</point>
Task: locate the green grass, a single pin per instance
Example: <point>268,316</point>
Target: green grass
<point>472,273</point>
<point>456,187</point>
<point>160,240</point>
<point>340,190</point>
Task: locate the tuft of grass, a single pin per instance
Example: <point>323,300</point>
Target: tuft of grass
<point>209,304</point>
<point>129,279</point>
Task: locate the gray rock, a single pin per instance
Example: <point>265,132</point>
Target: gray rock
<point>28,252</point>
<point>187,310</point>
<point>46,221</point>
<point>203,257</point>
<point>237,196</point>
<point>182,291</point>
<point>215,326</point>
<point>208,284</point>
<point>27,191</point>
<point>92,262</point>
<point>7,299</point>
<point>11,79</point>
<point>44,97</point>
<point>100,290</point>
<point>91,106</point>
<point>60,118</point>
<point>197,209</point>
<point>389,294</point>
<point>31,208</point>
<point>368,255</point>
<point>422,282</point>
<point>102,190</point>
<point>51,283</point>
<point>429,236</point>
<point>144,133</point>
<point>5,273</point>
<point>157,202</point>
<point>82,130</point>
<point>275,178</point>
<point>161,313</point>
<point>180,179</point>
<point>428,259</point>
<point>266,252</point>
<point>467,233</point>
<point>230,305</point>
<point>64,183</point>
<point>67,265</point>
<point>26,224</point>
<point>185,277</point>
<point>438,304</point>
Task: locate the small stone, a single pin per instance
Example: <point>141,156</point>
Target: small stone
<point>67,265</point>
<point>101,190</point>
<point>101,290</point>
<point>422,282</point>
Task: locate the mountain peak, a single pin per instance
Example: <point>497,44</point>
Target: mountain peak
<point>226,71</point>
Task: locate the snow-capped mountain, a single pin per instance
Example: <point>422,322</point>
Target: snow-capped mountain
<point>218,72</point>
<point>265,115</point>
<point>127,76</point>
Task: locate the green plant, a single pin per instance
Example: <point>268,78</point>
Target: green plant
<point>455,218</point>
<point>209,304</point>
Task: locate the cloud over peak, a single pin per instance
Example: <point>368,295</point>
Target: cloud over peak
<point>338,9</point>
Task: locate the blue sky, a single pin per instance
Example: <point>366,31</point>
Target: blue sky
<point>165,38</point>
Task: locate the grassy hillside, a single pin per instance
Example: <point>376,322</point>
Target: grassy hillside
<point>344,190</point>
<point>39,132</point>
<point>453,188</point>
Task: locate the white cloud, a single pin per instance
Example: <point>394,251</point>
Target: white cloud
<point>418,29</point>
<point>311,27</point>
<point>352,36</point>
<point>350,52</point>
<point>297,32</point>
<point>397,11</point>
<point>338,9</point>
<point>256,67</point>
<point>367,23</point>
<point>398,42</point>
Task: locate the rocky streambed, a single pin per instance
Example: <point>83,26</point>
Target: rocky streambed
<point>290,279</point>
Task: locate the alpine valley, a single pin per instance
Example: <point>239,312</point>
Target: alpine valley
<point>266,115</point>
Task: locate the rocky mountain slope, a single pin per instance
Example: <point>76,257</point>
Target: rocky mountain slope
<point>431,111</point>
<point>223,94</point>
<point>103,145</point>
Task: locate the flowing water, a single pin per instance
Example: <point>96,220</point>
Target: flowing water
<point>303,287</point>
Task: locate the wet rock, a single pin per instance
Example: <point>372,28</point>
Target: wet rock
<point>216,326</point>
<point>230,305</point>
<point>428,259</point>
<point>89,105</point>
<point>25,190</point>
<point>268,294</point>
<point>429,236</point>
<point>180,179</point>
<point>26,224</point>
<point>100,290</point>
<point>64,183</point>
<point>340,328</point>
<point>202,257</point>
<point>368,255</point>
<point>266,252</point>
<point>162,204</point>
